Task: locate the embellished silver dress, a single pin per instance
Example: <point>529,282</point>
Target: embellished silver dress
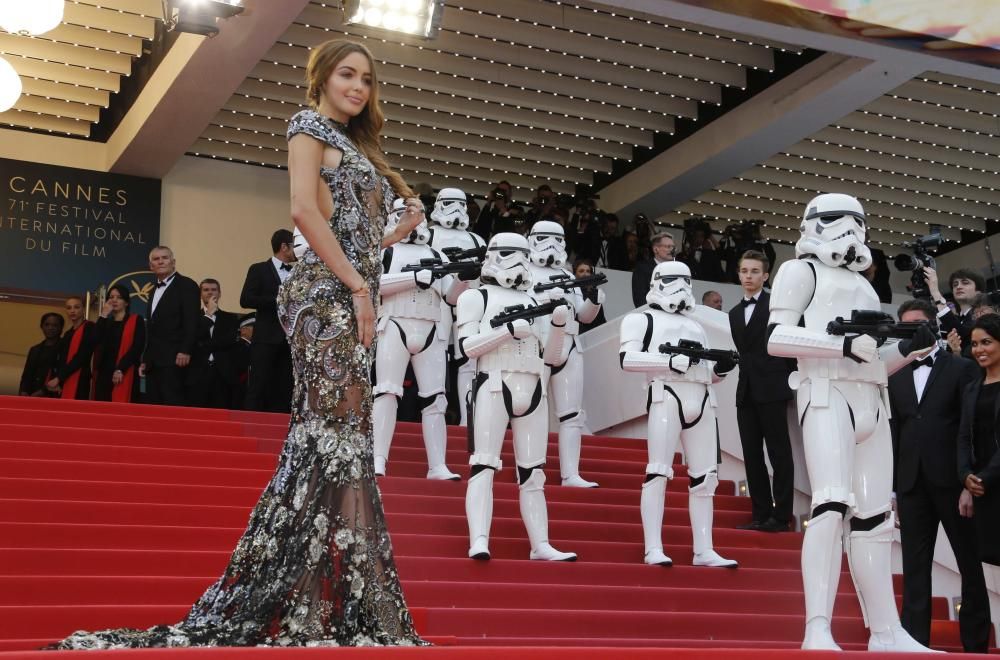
<point>315,565</point>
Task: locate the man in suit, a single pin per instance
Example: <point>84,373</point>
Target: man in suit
<point>212,375</point>
<point>925,403</point>
<point>663,250</point>
<point>171,330</point>
<point>762,396</point>
<point>270,386</point>
<point>965,285</point>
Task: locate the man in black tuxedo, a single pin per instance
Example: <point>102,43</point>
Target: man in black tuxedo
<point>762,396</point>
<point>270,386</point>
<point>171,330</point>
<point>663,250</point>
<point>212,376</point>
<point>926,407</point>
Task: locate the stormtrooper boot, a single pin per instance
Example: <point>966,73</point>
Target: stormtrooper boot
<point>822,555</point>
<point>384,415</point>
<point>651,506</point>
<point>436,440</point>
<point>479,512</point>
<point>700,502</point>
<point>569,455</point>
<point>536,520</point>
<point>870,557</point>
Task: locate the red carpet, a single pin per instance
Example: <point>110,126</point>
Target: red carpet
<point>120,515</point>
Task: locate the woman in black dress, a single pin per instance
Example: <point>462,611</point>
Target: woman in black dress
<point>979,440</point>
<point>121,337</point>
<point>71,377</point>
<point>42,358</point>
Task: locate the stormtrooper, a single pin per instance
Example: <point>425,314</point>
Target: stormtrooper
<point>510,387</point>
<point>410,331</point>
<point>681,405</point>
<point>841,397</point>
<point>547,241</point>
<point>450,229</point>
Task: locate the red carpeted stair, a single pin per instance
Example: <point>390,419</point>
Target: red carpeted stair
<point>120,515</point>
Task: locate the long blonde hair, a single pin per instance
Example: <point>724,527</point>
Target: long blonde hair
<point>364,129</point>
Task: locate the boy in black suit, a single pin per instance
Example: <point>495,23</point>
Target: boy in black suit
<point>270,386</point>
<point>170,330</point>
<point>762,397</point>
<point>212,375</point>
<point>926,407</point>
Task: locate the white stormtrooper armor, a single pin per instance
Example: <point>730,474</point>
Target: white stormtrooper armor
<point>840,386</point>
<point>509,387</point>
<point>450,223</point>
<point>681,407</point>
<point>409,331</point>
<point>548,256</point>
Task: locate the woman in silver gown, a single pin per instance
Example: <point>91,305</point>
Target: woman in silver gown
<point>315,565</point>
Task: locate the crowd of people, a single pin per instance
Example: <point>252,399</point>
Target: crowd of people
<point>185,351</point>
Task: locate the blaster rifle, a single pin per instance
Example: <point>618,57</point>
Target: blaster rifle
<point>526,312</point>
<point>876,324</point>
<point>697,352</point>
<point>565,282</point>
<point>455,253</point>
<point>466,270</point>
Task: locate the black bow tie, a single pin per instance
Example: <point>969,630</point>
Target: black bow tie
<point>749,301</point>
<point>925,362</point>
<point>159,284</point>
<point>286,267</point>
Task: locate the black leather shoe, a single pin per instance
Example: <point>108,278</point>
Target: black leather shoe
<point>773,525</point>
<point>753,525</point>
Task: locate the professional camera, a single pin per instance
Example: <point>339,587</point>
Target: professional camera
<point>744,233</point>
<point>498,193</point>
<point>920,260</point>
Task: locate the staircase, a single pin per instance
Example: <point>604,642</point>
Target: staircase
<point>116,515</point>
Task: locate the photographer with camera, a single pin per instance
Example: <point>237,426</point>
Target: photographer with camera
<point>497,211</point>
<point>739,238</point>
<point>699,250</point>
<point>543,206</point>
<point>583,232</point>
<point>965,284</point>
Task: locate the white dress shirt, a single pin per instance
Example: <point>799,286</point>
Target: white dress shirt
<point>748,309</point>
<point>282,273</point>
<point>158,293</point>
<point>922,373</point>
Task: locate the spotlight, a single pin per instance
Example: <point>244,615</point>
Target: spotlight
<point>202,16</point>
<point>741,488</point>
<point>417,17</point>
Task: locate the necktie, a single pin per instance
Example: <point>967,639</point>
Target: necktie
<point>286,266</point>
<point>926,362</point>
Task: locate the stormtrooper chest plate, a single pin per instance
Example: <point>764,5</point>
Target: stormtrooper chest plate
<point>443,237</point>
<point>521,355</point>
<point>543,275</point>
<point>415,303</point>
<point>839,292</point>
<point>673,328</point>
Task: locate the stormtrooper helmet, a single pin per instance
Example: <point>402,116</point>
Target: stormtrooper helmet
<point>507,261</point>
<point>670,287</point>
<point>299,244</point>
<point>833,230</point>
<point>450,209</point>
<point>421,234</point>
<point>548,244</point>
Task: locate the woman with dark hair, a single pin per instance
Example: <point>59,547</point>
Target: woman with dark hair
<point>42,357</point>
<point>584,268</point>
<point>121,337</point>
<point>71,377</point>
<point>979,440</point>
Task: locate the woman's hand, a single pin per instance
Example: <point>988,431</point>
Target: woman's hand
<point>106,309</point>
<point>965,505</point>
<point>364,315</point>
<point>412,216</point>
<point>117,377</point>
<point>954,342</point>
<point>975,485</point>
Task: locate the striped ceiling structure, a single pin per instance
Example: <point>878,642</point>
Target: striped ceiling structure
<point>926,154</point>
<point>69,74</point>
<point>528,91</point>
<point>541,91</point>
